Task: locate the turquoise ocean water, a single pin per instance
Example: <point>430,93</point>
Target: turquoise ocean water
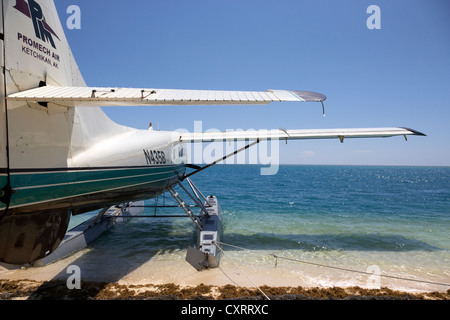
<point>396,219</point>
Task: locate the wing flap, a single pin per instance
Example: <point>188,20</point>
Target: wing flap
<point>96,96</point>
<point>281,134</point>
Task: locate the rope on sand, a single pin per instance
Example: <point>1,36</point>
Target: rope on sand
<point>342,269</point>
<point>254,284</point>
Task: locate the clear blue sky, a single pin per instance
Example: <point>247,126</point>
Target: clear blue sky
<point>398,75</point>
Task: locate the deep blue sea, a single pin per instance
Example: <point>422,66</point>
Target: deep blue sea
<point>393,219</point>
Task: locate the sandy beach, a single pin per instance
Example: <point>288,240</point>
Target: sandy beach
<point>42,290</point>
<point>161,278</point>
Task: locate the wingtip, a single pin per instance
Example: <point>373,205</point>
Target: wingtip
<point>310,95</point>
<point>415,132</point>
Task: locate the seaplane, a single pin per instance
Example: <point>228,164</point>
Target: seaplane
<point>61,155</point>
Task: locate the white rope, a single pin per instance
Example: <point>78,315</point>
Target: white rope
<point>237,266</point>
<point>233,246</point>
<point>343,269</point>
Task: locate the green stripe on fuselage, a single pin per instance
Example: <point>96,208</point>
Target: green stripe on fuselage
<point>34,187</point>
<point>3,183</point>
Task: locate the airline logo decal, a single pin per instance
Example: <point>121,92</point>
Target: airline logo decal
<point>42,30</point>
<point>33,10</point>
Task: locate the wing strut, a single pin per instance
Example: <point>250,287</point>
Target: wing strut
<point>222,159</point>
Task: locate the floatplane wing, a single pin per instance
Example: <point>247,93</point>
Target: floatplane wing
<point>282,134</point>
<point>104,97</point>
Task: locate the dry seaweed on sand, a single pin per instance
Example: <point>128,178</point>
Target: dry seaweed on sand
<point>30,289</point>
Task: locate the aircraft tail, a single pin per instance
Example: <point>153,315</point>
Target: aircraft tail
<point>37,137</point>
